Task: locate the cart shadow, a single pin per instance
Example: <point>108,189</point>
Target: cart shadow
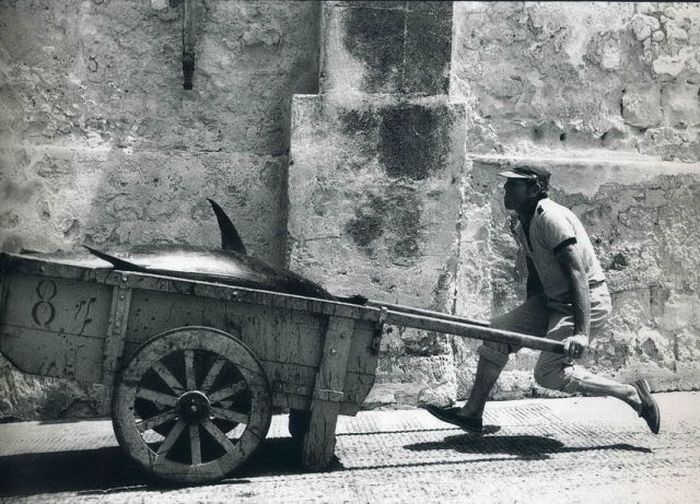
<point>523,447</point>
<point>99,469</point>
<point>109,470</point>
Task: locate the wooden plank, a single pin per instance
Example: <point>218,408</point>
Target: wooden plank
<point>115,337</point>
<point>319,442</point>
<point>273,334</point>
<point>363,361</point>
<point>54,327</point>
<point>55,354</point>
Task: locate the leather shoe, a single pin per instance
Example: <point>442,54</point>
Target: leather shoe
<point>650,410</point>
<point>450,415</point>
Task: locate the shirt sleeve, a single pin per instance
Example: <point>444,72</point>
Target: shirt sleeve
<point>556,230</point>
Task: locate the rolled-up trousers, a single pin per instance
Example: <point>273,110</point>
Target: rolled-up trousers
<point>539,316</point>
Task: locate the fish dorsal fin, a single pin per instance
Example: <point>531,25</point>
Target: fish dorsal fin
<point>230,239</point>
<point>119,264</point>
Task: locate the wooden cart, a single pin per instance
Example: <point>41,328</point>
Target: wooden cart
<point>194,370</point>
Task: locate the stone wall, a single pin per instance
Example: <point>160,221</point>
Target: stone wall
<point>604,95</point>
<point>404,113</point>
<point>607,97</point>
<point>101,145</point>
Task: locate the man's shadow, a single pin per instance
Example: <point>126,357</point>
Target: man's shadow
<point>523,447</point>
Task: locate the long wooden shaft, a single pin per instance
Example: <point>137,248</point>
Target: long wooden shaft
<point>427,313</point>
<point>467,330</point>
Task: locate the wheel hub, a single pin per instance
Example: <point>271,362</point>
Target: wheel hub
<point>193,406</point>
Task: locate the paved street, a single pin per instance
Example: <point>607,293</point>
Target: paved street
<point>549,450</point>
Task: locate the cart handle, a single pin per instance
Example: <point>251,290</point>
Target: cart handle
<point>466,328</point>
<point>428,313</point>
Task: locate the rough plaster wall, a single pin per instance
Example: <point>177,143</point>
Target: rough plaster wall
<point>101,145</point>
<point>376,177</point>
<point>557,84</point>
<point>378,214</point>
<point>603,94</point>
<point>606,97</point>
<point>551,76</point>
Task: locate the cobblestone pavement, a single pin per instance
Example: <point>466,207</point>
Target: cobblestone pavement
<point>549,450</point>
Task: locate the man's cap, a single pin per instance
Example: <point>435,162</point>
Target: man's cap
<point>528,173</point>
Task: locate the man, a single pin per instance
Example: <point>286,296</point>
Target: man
<point>567,300</point>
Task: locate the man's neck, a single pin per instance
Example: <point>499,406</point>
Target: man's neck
<point>528,210</point>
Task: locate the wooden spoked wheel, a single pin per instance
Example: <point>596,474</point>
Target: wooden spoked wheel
<point>192,404</point>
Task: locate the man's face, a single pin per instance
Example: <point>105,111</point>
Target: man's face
<point>517,193</point>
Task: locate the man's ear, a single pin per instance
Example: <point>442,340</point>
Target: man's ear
<point>534,188</point>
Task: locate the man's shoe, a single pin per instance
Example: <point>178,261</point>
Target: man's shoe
<point>450,415</point>
<point>650,410</point>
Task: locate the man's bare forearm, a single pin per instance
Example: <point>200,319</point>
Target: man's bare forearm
<point>580,300</point>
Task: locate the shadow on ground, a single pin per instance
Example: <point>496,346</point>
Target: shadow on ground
<point>109,470</point>
<point>523,447</point>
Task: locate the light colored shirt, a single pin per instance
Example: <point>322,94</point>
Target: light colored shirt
<point>552,225</point>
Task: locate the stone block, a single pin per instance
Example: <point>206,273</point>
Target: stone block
<point>428,48</point>
<point>680,312</point>
<point>363,50</point>
<point>641,107</point>
<point>379,48</point>
<point>687,345</point>
<point>374,195</point>
<point>410,380</point>
<point>681,104</point>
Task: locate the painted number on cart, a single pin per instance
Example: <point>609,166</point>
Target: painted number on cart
<point>44,311</point>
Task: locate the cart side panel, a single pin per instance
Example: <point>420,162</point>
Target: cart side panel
<point>287,342</point>
<point>55,327</point>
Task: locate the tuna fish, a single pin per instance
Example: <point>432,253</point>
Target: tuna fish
<point>229,265</point>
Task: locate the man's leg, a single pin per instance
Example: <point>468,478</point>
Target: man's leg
<point>487,373</point>
<point>557,372</point>
<point>530,318</point>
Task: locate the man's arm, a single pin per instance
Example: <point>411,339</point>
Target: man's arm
<point>571,263</point>
<point>534,285</point>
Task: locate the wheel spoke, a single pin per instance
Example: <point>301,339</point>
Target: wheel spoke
<point>195,447</point>
<point>157,420</point>
<point>170,439</point>
<point>219,436</point>
<point>189,370</point>
<point>158,398</point>
<point>225,414</point>
<point>227,392</point>
<point>212,374</point>
<point>168,378</point>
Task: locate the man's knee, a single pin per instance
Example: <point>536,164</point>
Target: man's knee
<point>549,378</point>
<point>496,353</point>
<point>556,376</point>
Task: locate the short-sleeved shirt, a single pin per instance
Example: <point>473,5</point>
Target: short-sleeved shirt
<point>554,226</point>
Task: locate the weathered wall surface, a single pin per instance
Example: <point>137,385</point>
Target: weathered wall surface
<point>607,97</point>
<point>375,177</point>
<point>101,145</point>
<point>393,190</point>
<point>604,95</point>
